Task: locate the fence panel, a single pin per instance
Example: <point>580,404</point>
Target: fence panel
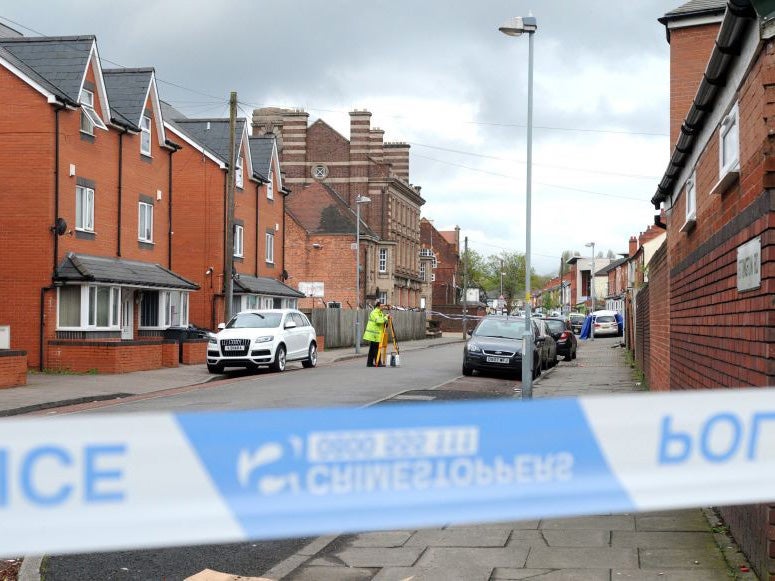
<point>337,325</point>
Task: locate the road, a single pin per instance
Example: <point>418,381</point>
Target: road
<point>425,375</point>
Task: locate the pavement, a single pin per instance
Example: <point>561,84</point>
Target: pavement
<point>686,545</point>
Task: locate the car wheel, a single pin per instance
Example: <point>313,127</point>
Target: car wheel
<point>569,356</point>
<point>467,371</point>
<point>279,359</point>
<point>536,369</point>
<point>574,354</point>
<point>312,359</point>
<point>217,368</point>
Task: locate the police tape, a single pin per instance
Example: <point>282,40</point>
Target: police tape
<point>74,484</point>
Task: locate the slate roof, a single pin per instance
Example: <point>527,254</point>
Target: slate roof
<point>612,265</point>
<point>85,268</point>
<point>261,152</point>
<point>264,286</point>
<point>55,62</point>
<point>216,138</point>
<point>127,89</point>
<point>695,8</point>
<point>321,210</point>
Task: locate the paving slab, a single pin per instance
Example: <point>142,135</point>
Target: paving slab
<point>528,538</point>
<point>582,558</point>
<point>680,559</point>
<point>663,540</point>
<point>461,537</point>
<point>550,575</point>
<point>462,558</point>
<point>329,574</point>
<point>669,575</point>
<point>386,539</point>
<point>367,557</point>
<point>435,573</point>
<point>615,522</point>
<point>577,538</point>
<point>684,520</point>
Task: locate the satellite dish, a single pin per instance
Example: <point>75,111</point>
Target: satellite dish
<point>60,226</point>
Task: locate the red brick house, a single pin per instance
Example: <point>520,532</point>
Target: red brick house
<point>719,274</point>
<point>363,165</point>
<point>201,172</point>
<point>320,250</point>
<point>443,249</point>
<point>87,253</point>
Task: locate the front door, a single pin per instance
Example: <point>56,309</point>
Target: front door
<point>127,314</point>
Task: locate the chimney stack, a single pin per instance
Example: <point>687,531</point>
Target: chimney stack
<point>633,245</point>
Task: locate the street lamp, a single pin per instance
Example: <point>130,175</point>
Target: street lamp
<point>515,27</point>
<point>358,201</point>
<point>592,285</point>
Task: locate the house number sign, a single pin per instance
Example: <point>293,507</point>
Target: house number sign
<point>749,265</point>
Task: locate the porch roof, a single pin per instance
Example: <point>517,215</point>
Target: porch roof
<point>264,286</point>
<point>85,268</point>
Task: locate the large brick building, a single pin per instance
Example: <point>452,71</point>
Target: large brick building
<point>363,165</point>
<point>717,270</point>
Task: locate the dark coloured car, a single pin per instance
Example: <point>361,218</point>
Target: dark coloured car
<point>576,322</point>
<point>561,330</point>
<point>547,345</point>
<point>496,345</point>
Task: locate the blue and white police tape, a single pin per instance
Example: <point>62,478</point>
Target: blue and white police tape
<point>121,481</point>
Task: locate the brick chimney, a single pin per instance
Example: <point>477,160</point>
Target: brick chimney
<point>633,245</point>
<point>397,155</point>
<point>376,140</point>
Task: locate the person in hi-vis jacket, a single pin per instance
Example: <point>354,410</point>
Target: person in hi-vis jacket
<point>373,332</point>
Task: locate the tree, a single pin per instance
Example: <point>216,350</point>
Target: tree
<point>611,254</point>
<point>478,274</point>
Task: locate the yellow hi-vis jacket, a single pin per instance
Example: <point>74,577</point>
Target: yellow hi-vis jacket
<point>375,325</point>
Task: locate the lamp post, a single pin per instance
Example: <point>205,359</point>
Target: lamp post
<point>358,201</point>
<point>592,287</point>
<point>515,27</point>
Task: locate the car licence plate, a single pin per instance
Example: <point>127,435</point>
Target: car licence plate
<point>497,360</point>
<point>233,347</point>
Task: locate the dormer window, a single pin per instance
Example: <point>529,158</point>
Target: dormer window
<point>270,186</point>
<point>145,135</point>
<point>89,117</point>
<point>238,178</point>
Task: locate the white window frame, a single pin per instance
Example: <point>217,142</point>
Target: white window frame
<point>383,258</point>
<point>84,196</point>
<point>145,135</point>
<point>88,308</point>
<point>165,306</point>
<point>239,179</point>
<point>422,270</point>
<point>147,221</point>
<point>729,134</point>
<point>239,240</point>
<point>269,248</point>
<point>88,113</point>
<point>270,186</point>
<point>383,297</point>
<point>690,193</point>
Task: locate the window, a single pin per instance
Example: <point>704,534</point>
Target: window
<point>251,301</point>
<point>270,186</point>
<point>239,233</point>
<point>84,209</point>
<point>89,117</point>
<point>690,191</point>
<point>145,223</point>
<point>383,297</point>
<point>426,252</point>
<point>89,306</point>
<point>383,259</point>
<point>270,248</point>
<point>729,143</point>
<point>433,277</point>
<point>422,271</point>
<point>238,179</point>
<point>319,172</point>
<point>149,309</point>
<point>164,309</point>
<point>145,135</point>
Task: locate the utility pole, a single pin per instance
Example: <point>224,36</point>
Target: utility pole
<point>465,288</point>
<point>228,250</point>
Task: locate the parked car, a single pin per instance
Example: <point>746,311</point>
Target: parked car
<point>605,324</point>
<point>255,338</point>
<point>577,322</point>
<point>547,344</point>
<point>496,345</point>
<point>561,330</point>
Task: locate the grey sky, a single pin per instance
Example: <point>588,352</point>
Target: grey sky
<point>433,73</point>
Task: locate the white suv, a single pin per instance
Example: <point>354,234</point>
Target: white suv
<point>271,337</point>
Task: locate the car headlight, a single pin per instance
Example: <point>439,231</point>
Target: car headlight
<point>264,339</point>
<point>212,341</point>
<point>474,348</point>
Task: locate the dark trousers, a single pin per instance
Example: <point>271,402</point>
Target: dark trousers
<point>373,350</point>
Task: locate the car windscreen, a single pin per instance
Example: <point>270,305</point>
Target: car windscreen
<point>555,326</point>
<point>605,319</point>
<point>255,321</point>
<point>577,318</point>
<point>509,329</point>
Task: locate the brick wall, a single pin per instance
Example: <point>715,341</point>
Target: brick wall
<point>751,527</point>
<point>13,368</point>
<point>108,356</point>
<point>170,353</point>
<point>194,352</point>
<point>642,330</point>
<point>658,362</point>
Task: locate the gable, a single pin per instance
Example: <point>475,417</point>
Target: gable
<point>324,143</point>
